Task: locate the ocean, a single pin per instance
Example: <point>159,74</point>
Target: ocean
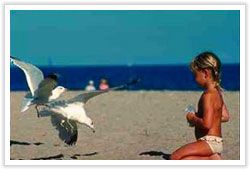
<point>155,77</point>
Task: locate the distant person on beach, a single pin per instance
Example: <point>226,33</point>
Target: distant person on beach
<point>90,86</point>
<point>212,111</point>
<point>103,84</point>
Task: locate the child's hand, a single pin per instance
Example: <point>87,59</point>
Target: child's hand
<point>190,116</point>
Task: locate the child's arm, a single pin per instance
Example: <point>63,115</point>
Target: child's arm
<point>225,114</point>
<point>206,121</point>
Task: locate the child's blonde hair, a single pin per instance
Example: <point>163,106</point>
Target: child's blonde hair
<point>208,60</point>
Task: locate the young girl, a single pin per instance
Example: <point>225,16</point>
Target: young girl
<point>211,112</point>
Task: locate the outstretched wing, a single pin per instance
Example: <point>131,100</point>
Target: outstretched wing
<point>67,129</point>
<point>26,102</point>
<point>84,97</point>
<point>33,74</point>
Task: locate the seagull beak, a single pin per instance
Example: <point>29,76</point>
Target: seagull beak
<point>92,128</point>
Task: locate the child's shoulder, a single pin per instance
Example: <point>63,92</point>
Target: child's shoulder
<point>211,96</point>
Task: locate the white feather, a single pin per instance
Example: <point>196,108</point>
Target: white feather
<point>33,74</point>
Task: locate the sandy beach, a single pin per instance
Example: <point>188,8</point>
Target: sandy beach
<point>130,125</point>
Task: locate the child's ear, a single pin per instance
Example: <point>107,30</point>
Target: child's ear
<point>207,72</point>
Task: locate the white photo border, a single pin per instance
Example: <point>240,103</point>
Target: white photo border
<point>241,8</point>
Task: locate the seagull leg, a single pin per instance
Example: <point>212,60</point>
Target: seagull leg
<point>71,127</point>
<point>37,111</point>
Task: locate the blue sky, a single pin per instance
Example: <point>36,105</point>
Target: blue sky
<point>116,37</point>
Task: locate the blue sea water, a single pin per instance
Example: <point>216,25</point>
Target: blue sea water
<point>156,77</point>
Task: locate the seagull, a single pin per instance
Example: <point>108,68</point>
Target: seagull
<point>42,90</point>
<point>65,114</point>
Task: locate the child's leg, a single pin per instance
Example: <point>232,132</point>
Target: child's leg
<point>196,158</point>
<point>212,157</point>
<point>199,148</point>
<point>216,156</point>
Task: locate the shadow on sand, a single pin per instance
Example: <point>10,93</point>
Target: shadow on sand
<point>60,156</point>
<point>55,157</point>
<point>13,142</point>
<point>50,157</point>
<point>88,154</point>
<point>157,153</point>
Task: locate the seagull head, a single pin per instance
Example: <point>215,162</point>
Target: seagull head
<point>89,123</point>
<point>60,89</point>
<point>53,76</point>
<point>57,92</point>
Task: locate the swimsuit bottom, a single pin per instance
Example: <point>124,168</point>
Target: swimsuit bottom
<point>215,143</point>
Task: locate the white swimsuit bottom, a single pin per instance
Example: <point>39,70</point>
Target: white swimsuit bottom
<point>215,143</point>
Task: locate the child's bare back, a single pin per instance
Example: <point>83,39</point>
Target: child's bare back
<point>211,103</point>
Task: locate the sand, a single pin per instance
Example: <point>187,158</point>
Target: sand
<point>130,125</point>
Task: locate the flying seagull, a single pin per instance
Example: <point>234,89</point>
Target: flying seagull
<point>65,114</point>
<point>42,90</point>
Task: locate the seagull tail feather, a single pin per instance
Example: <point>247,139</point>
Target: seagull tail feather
<point>26,103</point>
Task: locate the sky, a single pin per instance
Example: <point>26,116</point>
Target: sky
<point>123,37</point>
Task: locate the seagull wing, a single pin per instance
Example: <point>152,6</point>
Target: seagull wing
<point>66,128</point>
<point>84,97</point>
<point>33,74</point>
<point>45,88</point>
<point>26,102</point>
